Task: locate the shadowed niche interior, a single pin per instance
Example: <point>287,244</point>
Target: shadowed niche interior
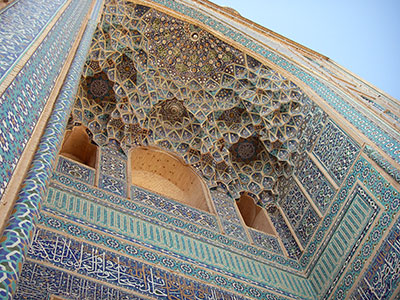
<point>78,147</point>
<point>254,215</point>
<point>164,174</point>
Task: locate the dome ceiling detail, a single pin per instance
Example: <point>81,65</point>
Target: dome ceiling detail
<point>152,79</point>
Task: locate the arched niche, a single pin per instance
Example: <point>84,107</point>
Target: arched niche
<point>254,215</point>
<point>163,173</point>
<point>77,146</point>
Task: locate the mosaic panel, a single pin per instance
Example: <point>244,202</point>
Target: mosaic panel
<point>314,121</point>
<point>76,170</point>
<point>285,235</point>
<point>353,222</point>
<point>110,241</point>
<point>387,196</point>
<point>17,33</point>
<point>20,225</point>
<point>118,270</point>
<point>112,185</point>
<point>225,206</point>
<point>24,99</point>
<point>177,224</point>
<point>175,208</point>
<point>383,163</point>
<point>236,231</point>
<point>336,151</point>
<point>265,241</point>
<point>38,282</point>
<point>123,224</point>
<point>113,165</point>
<point>316,185</point>
<point>128,272</point>
<point>383,274</point>
<point>301,215</point>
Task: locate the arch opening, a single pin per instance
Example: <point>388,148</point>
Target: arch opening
<point>77,146</point>
<point>164,174</point>
<point>254,215</point>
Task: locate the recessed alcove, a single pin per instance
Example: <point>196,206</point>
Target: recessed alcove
<point>167,175</point>
<point>77,146</point>
<point>254,215</point>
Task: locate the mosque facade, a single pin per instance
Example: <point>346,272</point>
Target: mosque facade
<point>172,149</point>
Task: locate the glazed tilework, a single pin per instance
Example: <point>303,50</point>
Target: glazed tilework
<point>149,214</point>
<point>22,102</point>
<point>338,101</point>
<point>174,208</point>
<point>19,229</point>
<point>383,274</point>
<point>285,235</point>
<point>130,251</point>
<point>214,273</point>
<point>76,170</point>
<point>141,209</point>
<point>353,222</point>
<point>207,114</point>
<point>315,184</point>
<point>225,205</point>
<point>120,270</point>
<point>383,163</point>
<point>38,282</point>
<point>300,213</point>
<point>386,195</point>
<point>266,241</point>
<point>123,224</point>
<point>314,121</point>
<point>228,214</point>
<point>113,165</point>
<point>17,32</point>
<point>112,185</point>
<point>336,151</point>
<point>236,231</point>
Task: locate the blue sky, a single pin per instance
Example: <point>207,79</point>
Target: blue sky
<point>361,35</point>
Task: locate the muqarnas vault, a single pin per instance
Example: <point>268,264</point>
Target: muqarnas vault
<point>175,150</point>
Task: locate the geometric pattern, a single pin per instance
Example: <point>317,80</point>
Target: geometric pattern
<point>45,64</point>
<point>23,30</point>
<point>355,219</point>
<point>341,208</point>
<point>113,166</point>
<point>290,244</point>
<point>78,171</point>
<point>23,100</point>
<point>315,183</point>
<point>366,123</point>
<point>336,151</point>
<point>236,266</point>
<point>174,208</point>
<point>266,241</point>
<point>301,215</point>
<point>219,109</point>
<point>112,185</point>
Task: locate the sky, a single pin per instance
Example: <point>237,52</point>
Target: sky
<point>361,35</point>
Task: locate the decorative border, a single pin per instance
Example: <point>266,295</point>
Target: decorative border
<point>196,270</point>
<point>17,234</point>
<point>148,214</point>
<point>17,36</point>
<point>152,236</point>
